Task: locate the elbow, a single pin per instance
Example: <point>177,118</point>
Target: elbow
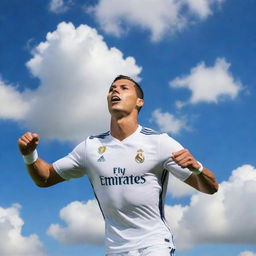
<point>42,184</point>
<point>214,189</point>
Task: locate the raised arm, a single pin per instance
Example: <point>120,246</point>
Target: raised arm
<point>202,180</point>
<point>40,171</point>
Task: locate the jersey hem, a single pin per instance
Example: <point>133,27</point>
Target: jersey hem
<point>139,247</point>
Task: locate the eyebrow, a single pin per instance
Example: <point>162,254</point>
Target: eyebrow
<point>114,85</point>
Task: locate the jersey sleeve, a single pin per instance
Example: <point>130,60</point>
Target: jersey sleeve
<point>167,146</point>
<point>72,165</point>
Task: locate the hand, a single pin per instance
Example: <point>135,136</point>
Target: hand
<point>28,142</point>
<point>184,159</point>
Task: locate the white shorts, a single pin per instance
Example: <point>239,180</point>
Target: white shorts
<point>157,250</point>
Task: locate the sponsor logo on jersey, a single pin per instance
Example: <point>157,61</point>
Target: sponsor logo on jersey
<point>101,159</point>
<point>101,151</point>
<point>120,178</point>
<point>139,158</point>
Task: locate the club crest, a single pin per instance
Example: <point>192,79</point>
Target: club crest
<point>102,149</point>
<point>139,158</point>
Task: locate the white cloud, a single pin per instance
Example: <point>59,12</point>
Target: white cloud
<point>58,6</point>
<point>12,243</point>
<point>85,224</point>
<point>209,84</point>
<point>202,8</point>
<point>225,217</point>
<point>75,68</point>
<point>247,253</point>
<point>168,122</point>
<point>12,104</point>
<point>159,17</point>
<point>153,15</point>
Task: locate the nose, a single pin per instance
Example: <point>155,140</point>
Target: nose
<point>115,90</point>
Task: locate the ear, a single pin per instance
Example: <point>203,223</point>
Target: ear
<point>140,102</point>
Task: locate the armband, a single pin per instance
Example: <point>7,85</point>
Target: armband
<point>30,158</point>
<point>198,171</point>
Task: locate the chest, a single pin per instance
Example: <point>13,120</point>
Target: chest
<point>120,160</point>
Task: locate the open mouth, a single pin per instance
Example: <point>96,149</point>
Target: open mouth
<point>115,98</point>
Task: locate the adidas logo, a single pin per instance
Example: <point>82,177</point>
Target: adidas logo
<point>101,159</point>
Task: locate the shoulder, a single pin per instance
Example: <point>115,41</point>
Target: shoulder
<point>99,136</point>
<point>160,135</point>
<point>149,131</point>
<point>161,138</point>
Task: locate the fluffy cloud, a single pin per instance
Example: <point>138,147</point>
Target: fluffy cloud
<point>202,8</point>
<point>225,217</point>
<point>156,16</point>
<point>58,6</point>
<point>12,103</point>
<point>80,228</point>
<point>247,253</point>
<point>159,17</point>
<point>12,243</point>
<point>209,84</point>
<point>75,68</point>
<point>168,122</point>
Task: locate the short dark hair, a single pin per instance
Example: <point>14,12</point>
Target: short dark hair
<point>139,90</point>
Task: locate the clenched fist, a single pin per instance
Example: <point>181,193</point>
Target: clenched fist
<point>28,142</point>
<point>184,159</point>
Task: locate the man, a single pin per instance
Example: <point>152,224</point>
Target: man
<point>128,168</point>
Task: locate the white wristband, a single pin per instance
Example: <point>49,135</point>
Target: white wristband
<point>30,158</point>
<point>198,171</point>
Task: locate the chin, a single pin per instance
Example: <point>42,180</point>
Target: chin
<point>116,110</point>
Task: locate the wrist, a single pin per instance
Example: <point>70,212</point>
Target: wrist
<point>30,158</point>
<point>198,170</point>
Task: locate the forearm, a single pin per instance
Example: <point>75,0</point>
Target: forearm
<point>204,182</point>
<point>39,172</point>
<point>42,173</point>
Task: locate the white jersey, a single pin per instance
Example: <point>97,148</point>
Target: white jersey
<point>129,179</point>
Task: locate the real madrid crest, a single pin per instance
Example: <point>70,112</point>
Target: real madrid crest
<point>139,158</point>
<point>102,149</point>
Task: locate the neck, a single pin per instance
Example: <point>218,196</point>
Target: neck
<point>123,127</point>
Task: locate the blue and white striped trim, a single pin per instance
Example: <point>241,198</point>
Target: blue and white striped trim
<point>172,252</point>
<point>97,199</point>
<point>164,181</point>
<point>100,136</point>
<point>148,131</point>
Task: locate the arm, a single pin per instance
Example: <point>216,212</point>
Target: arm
<point>204,181</point>
<point>42,173</point>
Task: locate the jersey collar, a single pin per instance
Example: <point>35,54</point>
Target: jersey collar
<point>130,137</point>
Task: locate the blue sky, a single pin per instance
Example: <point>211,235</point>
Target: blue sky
<point>195,60</point>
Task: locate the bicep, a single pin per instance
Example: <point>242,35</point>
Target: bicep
<point>71,166</point>
<point>54,177</point>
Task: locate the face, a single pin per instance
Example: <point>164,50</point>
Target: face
<point>122,97</point>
